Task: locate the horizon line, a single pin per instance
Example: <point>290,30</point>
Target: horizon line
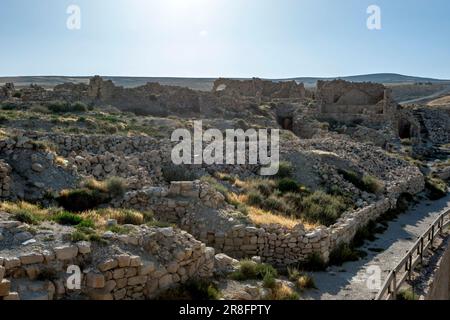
<point>227,77</point>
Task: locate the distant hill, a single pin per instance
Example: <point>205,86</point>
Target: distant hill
<point>384,78</point>
<point>207,83</point>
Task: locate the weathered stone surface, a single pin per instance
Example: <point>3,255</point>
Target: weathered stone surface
<point>5,286</point>
<point>84,247</point>
<point>66,252</point>
<point>95,280</point>
<point>137,280</point>
<point>165,282</point>
<point>123,260</point>
<point>11,263</point>
<point>108,265</point>
<point>31,258</point>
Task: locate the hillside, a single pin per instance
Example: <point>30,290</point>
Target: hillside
<point>207,83</point>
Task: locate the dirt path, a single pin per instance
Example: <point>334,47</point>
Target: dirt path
<point>348,282</point>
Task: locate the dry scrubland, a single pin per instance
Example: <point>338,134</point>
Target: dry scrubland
<point>86,179</point>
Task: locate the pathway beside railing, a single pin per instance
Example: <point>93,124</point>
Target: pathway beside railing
<point>415,255</point>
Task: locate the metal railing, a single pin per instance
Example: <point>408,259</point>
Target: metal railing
<point>415,255</point>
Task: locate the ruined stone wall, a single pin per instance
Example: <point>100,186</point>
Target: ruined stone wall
<point>7,91</point>
<point>139,266</point>
<point>5,179</point>
<point>259,88</point>
<point>184,203</point>
<point>342,92</point>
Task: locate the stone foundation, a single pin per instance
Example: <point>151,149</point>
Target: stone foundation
<point>140,265</point>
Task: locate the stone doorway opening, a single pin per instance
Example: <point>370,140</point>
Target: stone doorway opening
<point>287,123</point>
<point>404,129</point>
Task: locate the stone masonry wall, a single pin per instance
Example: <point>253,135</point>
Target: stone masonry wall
<point>137,266</point>
<point>5,179</point>
<point>183,203</point>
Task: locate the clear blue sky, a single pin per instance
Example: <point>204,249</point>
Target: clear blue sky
<point>233,38</point>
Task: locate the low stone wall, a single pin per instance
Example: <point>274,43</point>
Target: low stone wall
<point>139,265</point>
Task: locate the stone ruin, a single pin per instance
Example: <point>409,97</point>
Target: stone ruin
<point>260,89</point>
<point>125,271</point>
<point>7,91</point>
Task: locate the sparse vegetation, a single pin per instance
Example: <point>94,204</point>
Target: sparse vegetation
<point>285,170</point>
<point>285,197</point>
<point>406,294</point>
<point>67,218</point>
<point>192,290</point>
<point>363,182</point>
<point>92,194</point>
<point>65,107</point>
<point>437,188</point>
<point>288,185</point>
<point>249,270</point>
<point>343,253</point>
<point>323,208</point>
<point>283,292</point>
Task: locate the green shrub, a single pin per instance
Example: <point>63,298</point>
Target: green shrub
<point>372,184</point>
<point>255,198</point>
<point>363,182</point>
<point>285,170</point>
<point>273,203</point>
<point>67,218</point>
<point>65,107</point>
<point>406,294</point>
<point>91,194</point>
<point>119,229</point>
<point>79,200</point>
<point>115,186</point>
<point>250,270</point>
<point>264,186</point>
<point>77,236</point>
<point>79,107</point>
<point>294,201</point>
<point>26,217</point>
<point>269,281</point>
<point>288,185</point>
<point>58,107</point>
<point>323,208</point>
<point>17,95</point>
<point>9,106</point>
<point>293,273</point>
